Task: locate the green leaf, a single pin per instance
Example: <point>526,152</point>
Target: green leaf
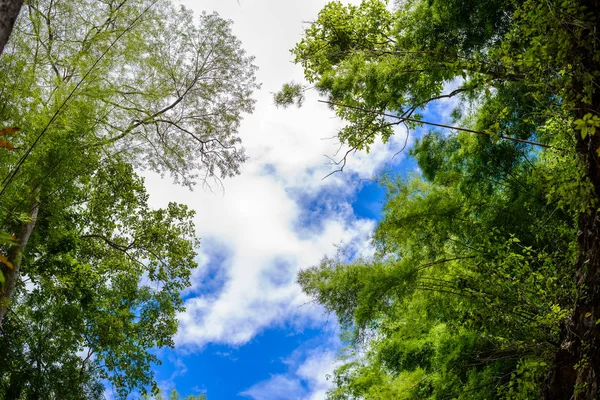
<point>7,239</point>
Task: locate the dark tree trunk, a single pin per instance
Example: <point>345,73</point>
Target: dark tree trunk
<point>9,11</point>
<point>575,372</point>
<point>15,255</point>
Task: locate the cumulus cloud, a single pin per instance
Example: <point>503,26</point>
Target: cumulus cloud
<point>279,215</point>
<point>278,387</point>
<point>307,378</point>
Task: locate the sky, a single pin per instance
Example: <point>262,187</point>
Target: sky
<point>248,331</point>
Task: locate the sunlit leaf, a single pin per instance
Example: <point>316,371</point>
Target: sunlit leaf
<point>7,238</point>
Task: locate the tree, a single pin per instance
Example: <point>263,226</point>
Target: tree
<point>529,69</point>
<point>9,11</point>
<point>174,395</point>
<point>162,93</point>
<point>110,292</point>
<point>90,275</point>
<point>464,296</point>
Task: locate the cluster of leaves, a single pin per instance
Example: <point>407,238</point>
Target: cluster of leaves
<point>92,274</point>
<point>476,256</point>
<point>174,395</point>
<point>101,279</point>
<point>471,280</point>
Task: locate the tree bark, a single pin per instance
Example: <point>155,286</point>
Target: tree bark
<point>9,11</point>
<point>15,255</point>
<point>575,372</point>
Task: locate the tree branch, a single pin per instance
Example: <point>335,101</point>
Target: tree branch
<point>402,119</point>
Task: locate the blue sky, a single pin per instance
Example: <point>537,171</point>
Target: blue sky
<point>248,331</point>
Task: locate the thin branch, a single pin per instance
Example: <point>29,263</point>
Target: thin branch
<point>402,119</point>
<point>432,263</point>
<point>14,172</point>
<point>110,242</point>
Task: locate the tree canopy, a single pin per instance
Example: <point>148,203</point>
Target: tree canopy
<point>90,93</point>
<point>485,281</point>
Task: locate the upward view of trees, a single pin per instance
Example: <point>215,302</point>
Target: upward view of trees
<point>486,281</point>
<point>90,93</point>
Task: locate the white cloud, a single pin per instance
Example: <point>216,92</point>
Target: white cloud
<point>109,391</point>
<point>316,370</point>
<point>255,224</point>
<point>259,290</point>
<point>179,369</point>
<point>307,378</point>
<point>278,387</point>
<point>279,216</point>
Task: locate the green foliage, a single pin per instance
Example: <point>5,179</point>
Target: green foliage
<point>466,294</point>
<point>106,277</point>
<point>100,90</point>
<point>587,125</point>
<point>370,61</point>
<point>473,275</point>
<point>291,93</point>
<point>160,88</point>
<point>174,395</point>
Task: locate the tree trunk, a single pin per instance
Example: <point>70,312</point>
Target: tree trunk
<point>575,372</point>
<point>9,11</point>
<point>15,255</point>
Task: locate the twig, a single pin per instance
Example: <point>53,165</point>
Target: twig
<point>403,119</point>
